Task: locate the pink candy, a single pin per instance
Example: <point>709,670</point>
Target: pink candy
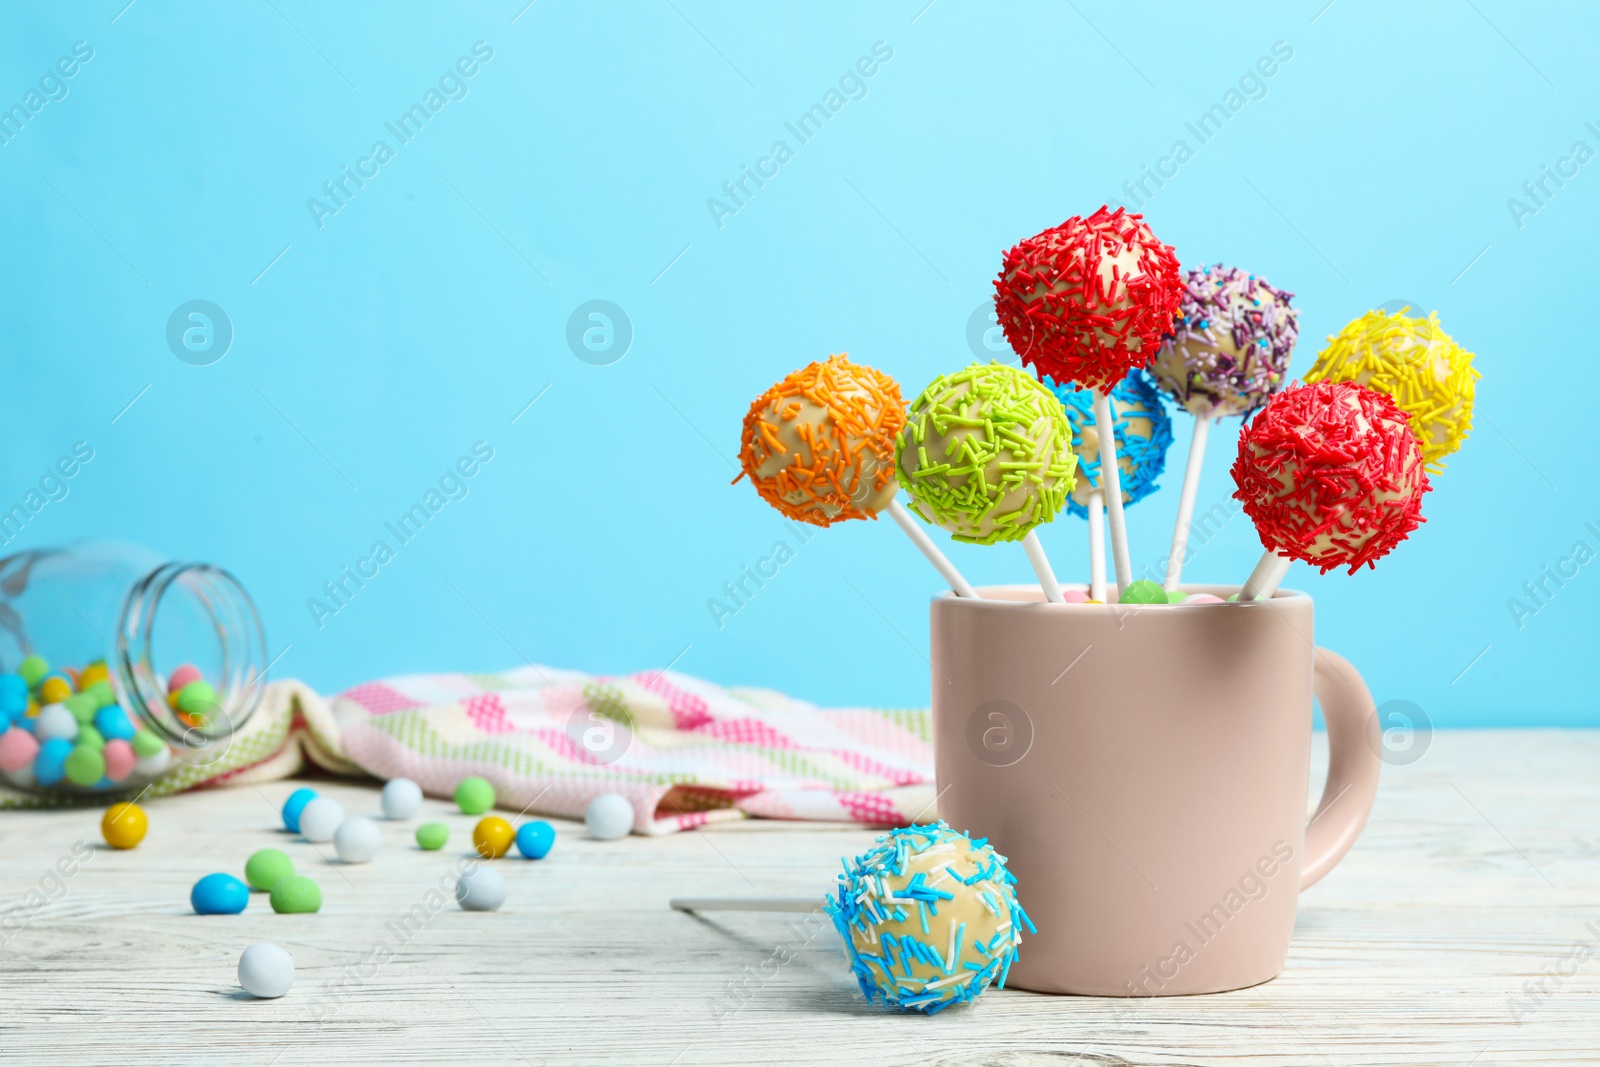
<point>1203,598</point>
<point>17,749</point>
<point>181,677</point>
<point>1073,596</point>
<point>120,758</point>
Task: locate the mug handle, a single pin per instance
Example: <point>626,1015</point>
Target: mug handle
<point>1354,748</point>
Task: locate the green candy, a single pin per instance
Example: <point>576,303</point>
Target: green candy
<point>474,795</point>
<point>32,669</point>
<point>82,705</point>
<point>104,695</point>
<point>266,868</point>
<point>146,743</point>
<point>431,836</point>
<point>1144,591</point>
<point>1175,597</point>
<point>197,698</point>
<point>296,895</point>
<point>85,765</point>
<point>88,735</point>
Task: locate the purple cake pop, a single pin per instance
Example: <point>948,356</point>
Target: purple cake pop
<point>1230,349</point>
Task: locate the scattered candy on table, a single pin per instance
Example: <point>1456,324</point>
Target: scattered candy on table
<point>357,840</point>
<point>480,888</point>
<point>609,817</point>
<point>265,970</point>
<point>219,894</point>
<point>266,868</point>
<point>401,798</point>
<point>294,806</point>
<point>535,839</point>
<point>492,837</point>
<point>431,836</point>
<point>124,825</point>
<point>320,819</point>
<point>296,895</point>
<point>474,795</point>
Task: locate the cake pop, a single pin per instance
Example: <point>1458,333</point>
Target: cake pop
<point>1330,473</point>
<point>986,454</point>
<point>1086,302</point>
<point>819,447</point>
<point>1414,362</point>
<point>1229,352</point>
<point>929,918</point>
<point>1143,435</point>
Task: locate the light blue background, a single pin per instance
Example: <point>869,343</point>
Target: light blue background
<point>431,309</point>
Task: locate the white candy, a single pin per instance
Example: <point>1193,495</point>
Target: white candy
<point>609,817</point>
<point>155,764</point>
<point>356,840</point>
<point>401,798</point>
<point>22,777</point>
<point>480,888</point>
<point>265,970</point>
<point>320,819</point>
<point>55,721</point>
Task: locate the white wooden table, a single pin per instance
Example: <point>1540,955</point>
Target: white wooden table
<point>1478,874</point>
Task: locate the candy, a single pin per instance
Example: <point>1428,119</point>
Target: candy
<point>120,759</point>
<point>401,798</point>
<point>1331,474</point>
<point>198,700</point>
<point>1089,300</point>
<point>33,669</point>
<point>294,806</point>
<point>1416,364</point>
<point>1074,596</point>
<point>13,695</point>
<point>1204,598</point>
<point>1143,435</point>
<point>265,970</point>
<point>535,839</point>
<point>474,796</point>
<point>54,689</point>
<point>431,836</point>
<point>17,749</point>
<point>94,673</point>
<point>82,705</point>
<point>320,819</point>
<point>480,888</point>
<point>1143,591</point>
<point>357,840</point>
<point>219,894</point>
<point>146,743</point>
<point>181,677</point>
<point>124,825</point>
<point>296,895</point>
<point>114,724</point>
<point>90,737</point>
<point>84,765</point>
<point>817,445</point>
<point>266,867</point>
<point>104,695</point>
<point>609,817</point>
<point>986,454</point>
<point>54,720</point>
<point>1230,348</point>
<point>155,764</point>
<point>50,766</point>
<point>492,837</point>
<point>929,918</point>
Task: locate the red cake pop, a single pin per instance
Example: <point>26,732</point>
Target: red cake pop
<point>1331,474</point>
<point>1090,299</point>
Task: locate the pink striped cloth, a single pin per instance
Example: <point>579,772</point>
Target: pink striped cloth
<point>683,751</point>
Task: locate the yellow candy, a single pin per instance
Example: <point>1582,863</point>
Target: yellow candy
<point>54,690</point>
<point>124,825</point>
<point>94,672</point>
<point>492,837</point>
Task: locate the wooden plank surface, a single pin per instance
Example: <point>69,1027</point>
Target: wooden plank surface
<point>1480,872</point>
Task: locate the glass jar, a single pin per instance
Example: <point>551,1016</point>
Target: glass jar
<point>118,666</point>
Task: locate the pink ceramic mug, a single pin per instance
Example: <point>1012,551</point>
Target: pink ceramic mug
<point>1145,769</point>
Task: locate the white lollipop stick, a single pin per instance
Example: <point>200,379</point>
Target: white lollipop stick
<point>1111,483</point>
<point>1266,578</point>
<point>1191,485</point>
<point>1097,546</point>
<point>919,537</point>
<point>1041,567</point>
<point>785,904</point>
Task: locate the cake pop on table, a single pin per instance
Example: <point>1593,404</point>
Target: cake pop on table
<point>986,454</point>
<point>1228,353</point>
<point>1143,435</point>
<point>1331,474</point>
<point>819,447</point>
<point>1085,302</point>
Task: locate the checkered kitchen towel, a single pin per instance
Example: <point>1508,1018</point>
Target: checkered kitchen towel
<point>684,751</point>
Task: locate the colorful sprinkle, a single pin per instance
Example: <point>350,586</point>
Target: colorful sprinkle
<point>1231,348</point>
<point>1143,430</point>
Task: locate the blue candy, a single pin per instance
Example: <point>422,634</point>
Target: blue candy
<point>50,765</point>
<point>113,722</point>
<point>13,695</point>
<point>219,894</point>
<point>294,806</point>
<point>535,838</point>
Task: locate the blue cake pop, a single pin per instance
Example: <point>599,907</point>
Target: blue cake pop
<point>1144,433</point>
